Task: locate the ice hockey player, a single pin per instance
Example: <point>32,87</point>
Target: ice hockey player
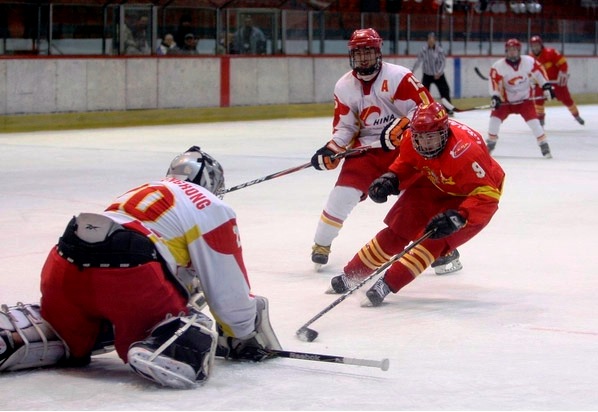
<point>448,183</point>
<point>370,97</point>
<point>510,86</point>
<point>556,68</point>
<point>150,261</point>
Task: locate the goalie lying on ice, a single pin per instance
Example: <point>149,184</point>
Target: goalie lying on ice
<point>139,269</point>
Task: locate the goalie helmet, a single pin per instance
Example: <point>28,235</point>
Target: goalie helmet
<point>513,50</point>
<point>430,129</point>
<point>365,56</point>
<point>198,167</point>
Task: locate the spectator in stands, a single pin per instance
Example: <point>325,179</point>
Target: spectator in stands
<point>189,45</point>
<point>135,37</point>
<point>185,27</point>
<point>249,39</point>
<point>226,44</point>
<point>433,61</point>
<point>167,46</point>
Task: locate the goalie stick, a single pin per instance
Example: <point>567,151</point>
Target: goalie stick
<point>348,152</point>
<point>307,334</point>
<point>383,364</point>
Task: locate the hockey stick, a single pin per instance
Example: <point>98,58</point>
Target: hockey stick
<point>349,152</point>
<point>479,73</point>
<point>309,335</point>
<point>382,364</point>
<point>449,106</point>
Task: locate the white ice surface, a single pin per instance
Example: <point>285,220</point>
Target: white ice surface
<point>515,329</point>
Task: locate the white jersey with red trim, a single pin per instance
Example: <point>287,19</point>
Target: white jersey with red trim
<point>514,82</point>
<point>196,234</point>
<point>362,109</point>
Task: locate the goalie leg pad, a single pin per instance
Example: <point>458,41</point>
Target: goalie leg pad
<point>27,340</point>
<point>265,333</point>
<point>179,353</point>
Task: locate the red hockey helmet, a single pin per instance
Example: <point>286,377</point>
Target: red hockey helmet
<point>536,45</point>
<point>513,56</point>
<point>365,38</point>
<point>513,43</point>
<point>536,39</point>
<point>365,56</point>
<point>430,129</point>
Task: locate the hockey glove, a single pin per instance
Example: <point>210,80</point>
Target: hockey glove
<point>445,224</point>
<point>242,349</point>
<point>548,91</point>
<point>562,79</point>
<point>323,158</point>
<point>495,102</point>
<point>391,135</point>
<point>384,186</point>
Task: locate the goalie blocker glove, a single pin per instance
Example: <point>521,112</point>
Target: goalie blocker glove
<point>384,186</point>
<point>324,159</point>
<point>548,91</point>
<point>445,224</point>
<point>391,135</point>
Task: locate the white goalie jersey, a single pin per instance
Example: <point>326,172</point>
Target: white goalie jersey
<point>199,238</point>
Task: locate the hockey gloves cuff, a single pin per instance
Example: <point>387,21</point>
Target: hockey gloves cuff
<point>495,102</point>
<point>324,159</point>
<point>384,186</point>
<point>390,138</point>
<point>242,349</point>
<point>548,91</point>
<point>562,79</point>
<point>445,224</point>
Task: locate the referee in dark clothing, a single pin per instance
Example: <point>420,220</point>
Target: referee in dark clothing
<point>433,61</point>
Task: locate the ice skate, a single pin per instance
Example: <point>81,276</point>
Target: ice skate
<point>491,144</point>
<point>545,150</point>
<point>447,264</point>
<point>580,120</point>
<point>319,255</point>
<point>339,285</point>
<point>376,294</point>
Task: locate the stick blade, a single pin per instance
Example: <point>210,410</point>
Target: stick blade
<point>448,105</point>
<point>307,334</point>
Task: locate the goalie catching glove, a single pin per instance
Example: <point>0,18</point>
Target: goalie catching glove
<point>324,158</point>
<point>255,346</point>
<point>384,186</point>
<point>445,224</point>
<point>391,135</point>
